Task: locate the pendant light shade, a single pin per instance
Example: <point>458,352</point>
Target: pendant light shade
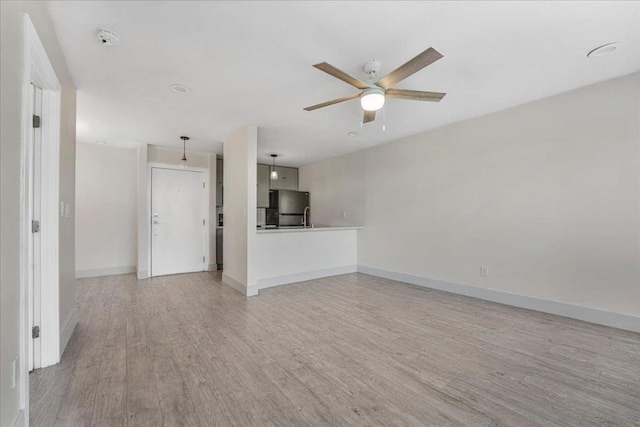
<point>274,172</point>
<point>183,161</point>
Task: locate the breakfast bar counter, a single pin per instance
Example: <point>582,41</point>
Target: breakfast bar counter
<point>290,255</point>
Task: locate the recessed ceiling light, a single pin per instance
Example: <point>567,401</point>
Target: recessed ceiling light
<point>603,50</point>
<point>352,133</point>
<point>178,88</point>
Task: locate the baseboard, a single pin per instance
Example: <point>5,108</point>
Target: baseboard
<point>67,330</point>
<point>587,314</point>
<point>80,274</point>
<point>143,274</point>
<point>247,291</point>
<point>307,275</point>
<point>19,421</point>
<point>213,267</point>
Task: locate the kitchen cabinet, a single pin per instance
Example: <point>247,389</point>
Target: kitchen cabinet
<point>219,181</point>
<point>287,179</point>
<point>263,186</point>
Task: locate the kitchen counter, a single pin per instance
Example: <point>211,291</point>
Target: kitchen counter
<point>305,230</point>
<point>290,255</point>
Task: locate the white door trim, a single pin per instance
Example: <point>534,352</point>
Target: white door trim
<point>39,71</point>
<point>34,155</point>
<point>205,230</point>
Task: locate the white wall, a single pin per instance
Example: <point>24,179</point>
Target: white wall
<point>12,83</point>
<point>330,206</point>
<point>170,156</point>
<point>239,204</point>
<point>142,212</point>
<point>106,196</point>
<point>547,195</point>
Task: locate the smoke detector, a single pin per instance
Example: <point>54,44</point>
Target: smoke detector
<point>108,38</point>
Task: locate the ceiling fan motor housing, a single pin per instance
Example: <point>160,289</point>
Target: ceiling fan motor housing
<point>372,66</point>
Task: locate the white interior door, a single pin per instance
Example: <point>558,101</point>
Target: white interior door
<point>178,212</point>
<point>34,246</point>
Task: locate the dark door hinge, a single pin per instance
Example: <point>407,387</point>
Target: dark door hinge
<point>36,121</point>
<point>35,226</point>
<point>35,332</point>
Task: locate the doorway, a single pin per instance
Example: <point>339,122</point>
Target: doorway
<point>179,229</point>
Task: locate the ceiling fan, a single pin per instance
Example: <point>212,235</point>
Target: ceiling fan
<point>372,95</point>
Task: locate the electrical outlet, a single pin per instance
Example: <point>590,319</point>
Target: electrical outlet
<point>15,371</point>
<point>344,214</point>
<point>484,271</point>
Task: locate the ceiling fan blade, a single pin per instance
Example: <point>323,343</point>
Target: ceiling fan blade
<point>339,74</point>
<point>414,95</point>
<point>369,116</point>
<point>410,67</point>
<point>333,101</point>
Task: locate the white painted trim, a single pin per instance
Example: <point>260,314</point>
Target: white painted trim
<point>67,330</point>
<point>97,272</point>
<point>307,275</point>
<point>247,291</point>
<point>19,420</point>
<point>143,274</point>
<point>213,267</point>
<point>206,230</point>
<point>37,69</point>
<point>587,314</point>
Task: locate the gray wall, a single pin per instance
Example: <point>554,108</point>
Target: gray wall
<point>546,194</point>
<point>12,83</point>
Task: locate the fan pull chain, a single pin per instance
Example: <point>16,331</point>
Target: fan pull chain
<point>384,120</point>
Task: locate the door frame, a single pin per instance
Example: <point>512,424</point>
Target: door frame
<point>39,71</point>
<point>205,230</point>
<point>34,276</point>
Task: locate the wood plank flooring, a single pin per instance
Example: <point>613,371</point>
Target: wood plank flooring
<point>187,350</point>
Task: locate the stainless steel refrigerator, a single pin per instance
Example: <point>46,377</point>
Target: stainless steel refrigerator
<point>286,208</point>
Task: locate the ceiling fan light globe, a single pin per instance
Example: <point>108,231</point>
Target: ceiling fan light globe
<point>372,99</point>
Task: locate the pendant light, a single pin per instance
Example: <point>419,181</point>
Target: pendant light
<point>274,172</point>
<point>183,161</point>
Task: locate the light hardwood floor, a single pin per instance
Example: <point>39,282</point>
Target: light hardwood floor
<point>347,350</point>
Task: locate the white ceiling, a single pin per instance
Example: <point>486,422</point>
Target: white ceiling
<point>251,63</point>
